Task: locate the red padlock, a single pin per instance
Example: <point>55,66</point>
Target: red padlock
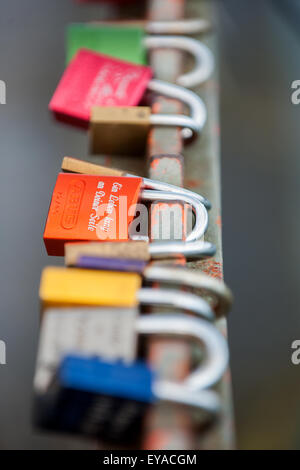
<point>89,208</point>
<point>93,79</point>
<point>101,208</point>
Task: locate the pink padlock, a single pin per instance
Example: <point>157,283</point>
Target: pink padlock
<point>97,80</point>
<point>94,79</point>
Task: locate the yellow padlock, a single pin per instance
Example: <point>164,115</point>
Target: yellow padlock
<point>68,286</point>
<point>61,287</point>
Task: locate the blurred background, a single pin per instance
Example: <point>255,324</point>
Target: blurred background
<point>259,44</point>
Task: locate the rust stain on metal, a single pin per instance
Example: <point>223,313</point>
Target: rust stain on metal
<point>212,268</point>
<point>193,183</point>
<point>219,221</point>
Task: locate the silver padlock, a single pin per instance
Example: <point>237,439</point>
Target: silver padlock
<point>112,334</point>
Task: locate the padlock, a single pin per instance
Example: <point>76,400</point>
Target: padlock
<point>138,250</point>
<point>129,43</point>
<point>94,80</point>
<point>110,333</point>
<point>220,296</point>
<point>74,165</point>
<point>110,401</point>
<point>79,287</point>
<point>98,208</point>
<point>117,381</point>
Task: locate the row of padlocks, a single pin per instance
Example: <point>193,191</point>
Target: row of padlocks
<point>92,377</point>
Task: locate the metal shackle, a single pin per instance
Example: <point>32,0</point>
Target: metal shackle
<point>176,299</point>
<point>187,26</point>
<point>201,215</point>
<point>206,400</point>
<point>193,124</point>
<point>162,186</point>
<point>204,60</point>
<point>191,250</point>
<point>216,288</point>
<point>213,366</point>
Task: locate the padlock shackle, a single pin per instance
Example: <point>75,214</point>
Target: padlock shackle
<point>188,26</point>
<point>193,250</point>
<point>195,279</point>
<point>162,186</point>
<point>204,60</point>
<point>176,299</point>
<point>170,392</point>
<point>74,165</point>
<point>198,114</point>
<point>216,357</point>
<point>201,215</point>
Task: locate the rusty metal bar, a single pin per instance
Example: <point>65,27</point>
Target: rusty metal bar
<point>173,429</point>
<point>167,428</point>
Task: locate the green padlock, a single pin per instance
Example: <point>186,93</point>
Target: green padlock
<point>131,43</point>
<point>125,42</point>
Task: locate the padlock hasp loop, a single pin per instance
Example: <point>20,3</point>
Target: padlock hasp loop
<point>201,215</point>
<point>185,301</point>
<point>193,250</point>
<point>204,60</point>
<point>192,124</point>
<point>213,366</point>
<point>194,279</point>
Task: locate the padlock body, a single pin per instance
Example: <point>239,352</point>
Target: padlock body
<point>96,398</point>
<point>108,333</point>
<point>119,130</point>
<point>93,79</point>
<point>122,42</point>
<point>85,287</point>
<point>89,208</point>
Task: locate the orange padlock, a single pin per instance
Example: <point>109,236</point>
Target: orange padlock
<point>90,208</point>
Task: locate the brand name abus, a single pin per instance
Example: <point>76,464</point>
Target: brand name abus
<point>72,204</point>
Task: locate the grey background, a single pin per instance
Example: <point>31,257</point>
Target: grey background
<point>259,45</point>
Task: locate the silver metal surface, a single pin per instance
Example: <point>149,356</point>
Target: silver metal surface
<point>195,279</point>
<point>162,186</point>
<point>206,400</point>
<point>177,299</point>
<point>212,368</point>
<point>204,60</point>
<point>191,125</point>
<point>193,250</point>
<point>201,215</point>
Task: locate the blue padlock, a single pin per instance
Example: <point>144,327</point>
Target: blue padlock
<point>109,401</point>
<point>88,396</point>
